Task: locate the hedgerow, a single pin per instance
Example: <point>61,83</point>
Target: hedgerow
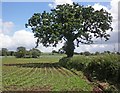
<point>102,67</point>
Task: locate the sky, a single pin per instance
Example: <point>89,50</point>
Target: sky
<point>15,14</point>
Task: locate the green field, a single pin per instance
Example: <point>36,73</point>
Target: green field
<point>41,74</point>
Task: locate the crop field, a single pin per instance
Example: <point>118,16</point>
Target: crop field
<point>41,74</point>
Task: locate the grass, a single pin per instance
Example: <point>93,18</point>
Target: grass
<point>42,74</point>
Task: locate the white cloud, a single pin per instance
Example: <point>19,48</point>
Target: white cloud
<point>19,38</point>
<point>6,27</point>
<point>5,40</point>
<point>49,49</point>
<point>98,47</point>
<point>97,6</point>
<point>23,38</point>
<point>60,2</point>
<point>114,12</point>
<point>114,8</point>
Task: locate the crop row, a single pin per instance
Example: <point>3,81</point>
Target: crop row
<point>53,75</point>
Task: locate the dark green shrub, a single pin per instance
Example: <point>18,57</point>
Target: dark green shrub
<point>78,62</point>
<point>104,68</point>
<point>64,61</point>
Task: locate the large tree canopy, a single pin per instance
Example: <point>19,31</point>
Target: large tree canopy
<point>70,23</point>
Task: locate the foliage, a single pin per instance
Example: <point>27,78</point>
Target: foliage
<point>21,51</point>
<point>11,53</point>
<point>28,54</point>
<point>70,23</point>
<point>102,67</point>
<point>61,51</point>
<point>4,51</point>
<point>35,53</point>
<point>0,52</point>
<point>105,68</point>
<point>77,62</point>
<point>97,53</point>
<point>54,51</point>
<point>107,52</point>
<point>87,53</point>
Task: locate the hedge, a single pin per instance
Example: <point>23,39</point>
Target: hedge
<point>102,67</point>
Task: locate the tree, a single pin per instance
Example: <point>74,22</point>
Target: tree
<point>11,53</point>
<point>61,51</point>
<point>35,53</point>
<point>0,52</point>
<point>81,53</point>
<point>21,52</point>
<point>54,51</point>
<point>87,53</point>
<point>118,53</point>
<point>107,52</point>
<point>28,54</point>
<point>97,53</point>
<point>70,23</point>
<point>4,51</point>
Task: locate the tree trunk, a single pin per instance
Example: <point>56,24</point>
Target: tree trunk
<point>69,48</point>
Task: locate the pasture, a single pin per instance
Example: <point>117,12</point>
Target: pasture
<point>41,74</point>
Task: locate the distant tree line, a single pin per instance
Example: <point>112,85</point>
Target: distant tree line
<point>21,52</point>
<point>86,53</point>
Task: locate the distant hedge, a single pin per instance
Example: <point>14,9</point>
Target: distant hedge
<point>102,67</point>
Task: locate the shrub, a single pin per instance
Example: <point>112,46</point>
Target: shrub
<point>104,67</point>
<point>77,62</point>
<point>64,61</point>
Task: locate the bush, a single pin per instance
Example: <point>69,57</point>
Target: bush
<point>104,67</point>
<point>78,62</point>
<point>65,62</point>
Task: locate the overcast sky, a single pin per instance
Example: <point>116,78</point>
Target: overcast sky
<point>15,14</point>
